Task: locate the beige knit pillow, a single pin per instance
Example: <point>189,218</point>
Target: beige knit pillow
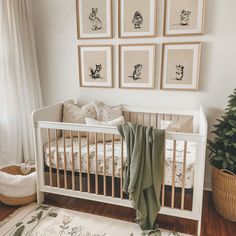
<point>74,114</point>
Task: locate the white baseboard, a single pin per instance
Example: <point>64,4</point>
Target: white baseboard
<point>207,186</point>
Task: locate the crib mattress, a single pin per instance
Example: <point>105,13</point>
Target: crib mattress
<point>191,154</point>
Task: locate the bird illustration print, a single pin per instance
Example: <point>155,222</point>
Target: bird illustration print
<point>137,20</point>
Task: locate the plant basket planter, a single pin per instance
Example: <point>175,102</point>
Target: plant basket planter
<point>16,201</point>
<point>224,193</point>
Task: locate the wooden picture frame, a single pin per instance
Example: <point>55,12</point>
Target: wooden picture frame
<point>96,66</point>
<point>180,66</point>
<point>132,22</point>
<point>137,66</point>
<point>94,19</point>
<point>184,17</point>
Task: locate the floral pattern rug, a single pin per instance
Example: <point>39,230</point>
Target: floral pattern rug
<point>44,220</point>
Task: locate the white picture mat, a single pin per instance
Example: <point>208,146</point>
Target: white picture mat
<point>151,50</point>
<point>196,50</point>
<point>187,31</point>
<point>108,51</point>
<point>152,22</point>
<point>108,22</point>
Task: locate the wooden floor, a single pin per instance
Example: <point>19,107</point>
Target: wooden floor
<point>212,223</point>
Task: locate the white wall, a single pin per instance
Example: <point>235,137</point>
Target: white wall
<point>56,42</point>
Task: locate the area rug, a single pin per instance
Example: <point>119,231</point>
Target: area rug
<point>44,220</point>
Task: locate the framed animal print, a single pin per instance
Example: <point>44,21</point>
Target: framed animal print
<point>180,66</point>
<point>137,66</point>
<point>94,19</point>
<point>96,69</point>
<point>184,17</point>
<point>137,18</point>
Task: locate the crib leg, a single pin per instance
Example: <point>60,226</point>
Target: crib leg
<point>40,197</point>
<point>199,223</point>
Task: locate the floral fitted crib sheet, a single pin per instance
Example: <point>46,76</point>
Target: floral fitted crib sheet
<point>190,159</point>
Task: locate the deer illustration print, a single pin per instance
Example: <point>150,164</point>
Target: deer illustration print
<point>96,73</point>
<point>95,21</point>
<point>179,72</point>
<point>137,72</point>
<point>137,20</point>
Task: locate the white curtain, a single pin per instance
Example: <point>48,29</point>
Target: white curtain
<point>19,81</point>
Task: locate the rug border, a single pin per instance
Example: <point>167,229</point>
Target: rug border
<point>14,217</point>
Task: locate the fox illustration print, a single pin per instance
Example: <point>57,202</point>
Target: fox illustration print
<point>96,73</point>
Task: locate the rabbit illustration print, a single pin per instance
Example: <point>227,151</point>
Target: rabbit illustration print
<point>94,19</point>
<point>96,23</point>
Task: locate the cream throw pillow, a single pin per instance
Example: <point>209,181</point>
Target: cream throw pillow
<point>184,125</point>
<point>106,113</point>
<point>108,137</point>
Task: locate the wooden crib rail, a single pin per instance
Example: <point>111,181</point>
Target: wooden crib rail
<point>76,127</point>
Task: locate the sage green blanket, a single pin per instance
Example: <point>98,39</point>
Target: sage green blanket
<point>143,170</point>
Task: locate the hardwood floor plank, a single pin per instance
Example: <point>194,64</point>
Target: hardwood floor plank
<point>212,223</point>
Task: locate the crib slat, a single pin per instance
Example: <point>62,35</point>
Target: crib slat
<point>113,166</point>
<point>80,163</point>
<point>57,156</point>
<point>163,179</point>
<point>173,176</point>
<point>104,166</point>
<point>96,163</point>
<point>65,163</point>
<point>126,116</point>
<point>72,161</point>
<point>153,121</point>
<point>140,118</point>
<point>88,166</point>
<point>50,157</point>
<point>184,175</point>
<point>121,168</point>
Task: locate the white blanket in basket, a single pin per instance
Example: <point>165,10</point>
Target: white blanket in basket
<point>17,185</point>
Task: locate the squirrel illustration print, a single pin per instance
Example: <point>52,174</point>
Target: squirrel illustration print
<point>137,20</point>
<point>179,72</point>
<point>137,72</point>
<point>185,17</point>
<point>96,73</point>
<point>95,21</point>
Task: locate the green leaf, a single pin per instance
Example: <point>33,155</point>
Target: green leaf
<point>18,224</point>
<point>53,214</point>
<point>19,231</point>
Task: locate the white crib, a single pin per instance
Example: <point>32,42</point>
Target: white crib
<point>93,169</point>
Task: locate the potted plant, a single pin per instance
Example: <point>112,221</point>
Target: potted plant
<point>223,160</point>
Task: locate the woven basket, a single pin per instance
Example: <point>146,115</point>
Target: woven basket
<point>224,193</point>
<point>16,201</point>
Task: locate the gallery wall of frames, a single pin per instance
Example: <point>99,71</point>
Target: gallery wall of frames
<point>180,61</point>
